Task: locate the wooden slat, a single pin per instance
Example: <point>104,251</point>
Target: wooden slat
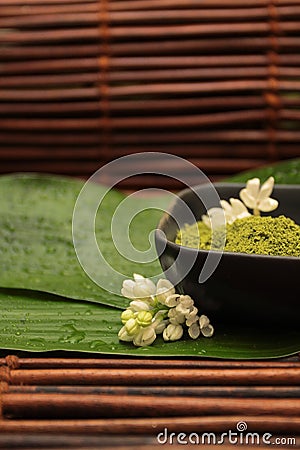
<point>80,78</point>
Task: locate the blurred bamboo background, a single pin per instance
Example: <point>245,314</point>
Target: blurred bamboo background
<point>84,81</point>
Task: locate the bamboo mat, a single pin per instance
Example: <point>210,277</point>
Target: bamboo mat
<point>85,81</point>
<point>132,400</point>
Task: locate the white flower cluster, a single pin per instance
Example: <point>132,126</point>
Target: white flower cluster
<point>157,310</point>
<point>253,196</point>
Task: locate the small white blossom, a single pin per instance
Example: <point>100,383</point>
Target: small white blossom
<point>258,198</point>
<point>164,290</point>
<point>191,316</point>
<point>234,209</point>
<point>202,326</point>
<point>185,305</point>
<point>194,330</point>
<point>206,328</point>
<point>215,218</point>
<point>160,311</point>
<point>145,337</point>
<point>176,317</point>
<point>140,287</point>
<point>124,336</point>
<point>139,305</point>
<point>173,332</point>
<point>172,300</point>
<point>161,325</point>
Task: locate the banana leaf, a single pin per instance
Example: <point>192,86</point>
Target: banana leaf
<point>287,172</point>
<point>36,245</point>
<point>37,254</point>
<point>40,322</point>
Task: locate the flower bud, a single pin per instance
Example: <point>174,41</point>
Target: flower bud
<point>163,290</point>
<point>176,317</point>
<point>173,332</point>
<point>124,336</point>
<point>126,315</point>
<point>144,318</point>
<point>139,305</point>
<point>194,330</point>
<point>145,337</point>
<point>131,327</point>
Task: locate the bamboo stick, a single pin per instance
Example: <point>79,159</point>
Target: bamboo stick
<point>157,4</point>
<point>140,32</point>
<point>116,106</point>
<point>205,45</point>
<point>62,35</point>
<point>185,74</point>
<point>46,153</point>
<point>135,122</point>
<point>184,46</point>
<point>217,151</point>
<point>66,79</point>
<point>59,65</point>
<point>39,8</point>
<point>170,15</point>
<point>49,94</point>
<point>146,376</point>
<point>50,109</point>
<point>102,405</point>
<point>150,426</point>
<point>45,52</point>
<point>166,391</point>
<point>200,30</point>
<point>204,136</point>
<point>34,2</point>
<point>206,103</point>
<point>184,88</point>
<point>49,138</point>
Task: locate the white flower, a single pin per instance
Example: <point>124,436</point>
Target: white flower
<point>161,325</point>
<point>194,330</point>
<point>139,305</point>
<point>145,337</point>
<point>206,328</point>
<point>173,332</point>
<point>164,290</point>
<point>215,218</point>
<point>234,209</point>
<point>258,198</point>
<point>192,317</point>
<point>202,326</point>
<point>124,336</point>
<point>176,317</point>
<point>140,287</point>
<point>185,305</point>
<point>172,300</point>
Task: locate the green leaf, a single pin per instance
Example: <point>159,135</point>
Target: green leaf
<point>36,246</point>
<point>287,172</point>
<point>36,252</point>
<point>39,322</point>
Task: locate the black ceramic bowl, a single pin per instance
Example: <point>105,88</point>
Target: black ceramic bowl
<point>254,289</point>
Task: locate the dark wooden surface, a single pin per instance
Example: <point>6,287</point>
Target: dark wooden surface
<point>122,402</point>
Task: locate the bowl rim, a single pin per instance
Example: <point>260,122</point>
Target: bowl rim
<point>177,247</point>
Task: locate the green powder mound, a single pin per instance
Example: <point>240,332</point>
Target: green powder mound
<point>275,236</point>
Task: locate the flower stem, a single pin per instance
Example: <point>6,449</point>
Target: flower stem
<point>256,212</point>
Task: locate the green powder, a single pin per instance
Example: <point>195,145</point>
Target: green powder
<point>276,236</point>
